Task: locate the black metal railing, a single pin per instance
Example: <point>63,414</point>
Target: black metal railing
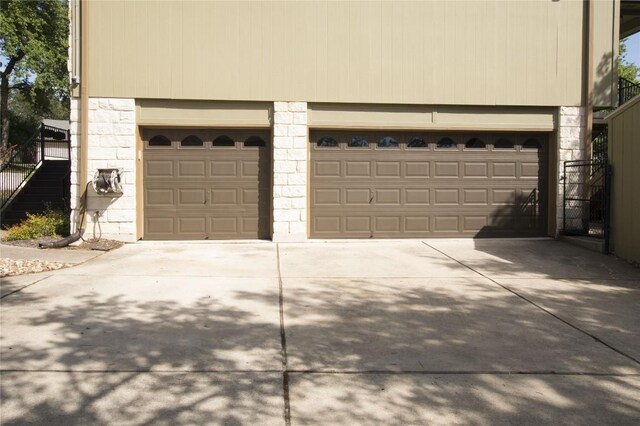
<point>627,89</point>
<point>586,199</point>
<point>47,143</point>
<point>599,146</point>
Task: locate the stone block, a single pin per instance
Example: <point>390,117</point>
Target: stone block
<point>294,191</point>
<point>280,154</point>
<point>298,203</point>
<point>280,130</point>
<point>284,166</point>
<point>124,129</point>
<point>300,142</point>
<point>282,203</point>
<point>280,106</point>
<point>298,106</point>
<point>282,142</point>
<point>285,215</point>
<point>296,179</point>
<point>298,227</point>
<point>281,227</point>
<point>300,118</point>
<point>280,178</point>
<point>283,118</point>
<point>297,154</point>
<point>100,128</point>
<point>126,154</point>
<point>297,130</point>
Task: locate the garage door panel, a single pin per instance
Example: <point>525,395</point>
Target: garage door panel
<point>327,196</point>
<point>192,225</point>
<point>228,197</point>
<point>417,169</point>
<point>416,197</point>
<point>416,224</point>
<point>387,169</point>
<point>192,197</point>
<point>476,169</point>
<point>159,168</point>
<point>357,196</point>
<point>446,196</point>
<point>476,197</point>
<point>327,169</point>
<point>159,197</point>
<point>446,224</point>
<point>446,169</point>
<point>388,196</point>
<point>504,169</point>
<point>327,225</point>
<point>187,168</point>
<point>224,225</point>
<point>357,224</point>
<point>411,192</point>
<point>160,225</point>
<point>210,192</point>
<point>223,168</point>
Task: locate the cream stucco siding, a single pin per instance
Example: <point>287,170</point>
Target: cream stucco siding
<point>484,52</point>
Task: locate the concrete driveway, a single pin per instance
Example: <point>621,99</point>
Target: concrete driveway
<point>375,332</point>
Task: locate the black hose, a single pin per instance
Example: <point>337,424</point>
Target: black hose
<point>62,242</point>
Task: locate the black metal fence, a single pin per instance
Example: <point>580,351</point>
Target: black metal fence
<point>586,199</point>
<point>48,143</point>
<point>627,89</point>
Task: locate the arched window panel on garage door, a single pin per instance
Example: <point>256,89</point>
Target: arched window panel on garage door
<point>388,142</point>
<point>191,141</point>
<point>475,143</point>
<point>417,142</point>
<point>327,142</point>
<point>254,142</point>
<point>446,143</point>
<point>358,142</point>
<point>532,144</point>
<point>503,143</point>
<point>159,141</point>
<point>223,141</point>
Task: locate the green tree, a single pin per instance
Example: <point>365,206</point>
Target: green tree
<point>627,69</point>
<point>33,45</point>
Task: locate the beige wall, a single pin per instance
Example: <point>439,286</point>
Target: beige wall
<point>624,156</point>
<point>482,52</point>
<point>605,52</point>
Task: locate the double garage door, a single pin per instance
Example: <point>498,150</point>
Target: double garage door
<point>400,184</point>
<point>216,184</point>
<point>206,184</point>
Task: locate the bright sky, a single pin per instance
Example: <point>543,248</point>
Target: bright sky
<point>633,48</point>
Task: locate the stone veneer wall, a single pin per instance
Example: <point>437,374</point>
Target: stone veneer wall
<point>290,154</point>
<point>571,146</point>
<point>112,143</point>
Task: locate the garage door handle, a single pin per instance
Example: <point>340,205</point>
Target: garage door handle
<point>371,199</point>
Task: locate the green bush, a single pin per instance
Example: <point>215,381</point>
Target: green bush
<point>52,223</point>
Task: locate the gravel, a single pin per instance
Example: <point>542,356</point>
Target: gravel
<point>12,267</point>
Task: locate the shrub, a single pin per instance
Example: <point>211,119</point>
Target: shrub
<point>52,223</point>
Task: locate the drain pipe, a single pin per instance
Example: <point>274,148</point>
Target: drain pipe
<point>84,109</point>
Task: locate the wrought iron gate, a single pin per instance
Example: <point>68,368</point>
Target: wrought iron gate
<point>586,199</point>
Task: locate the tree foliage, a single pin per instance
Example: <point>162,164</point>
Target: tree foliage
<point>34,46</point>
<point>627,69</point>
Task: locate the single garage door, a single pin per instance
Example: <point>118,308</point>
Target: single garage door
<point>401,184</point>
<point>206,184</point>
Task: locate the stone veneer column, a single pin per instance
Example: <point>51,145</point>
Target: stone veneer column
<point>112,143</point>
<point>571,146</point>
<point>290,153</point>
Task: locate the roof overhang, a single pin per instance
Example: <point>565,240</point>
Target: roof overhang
<point>629,18</point>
